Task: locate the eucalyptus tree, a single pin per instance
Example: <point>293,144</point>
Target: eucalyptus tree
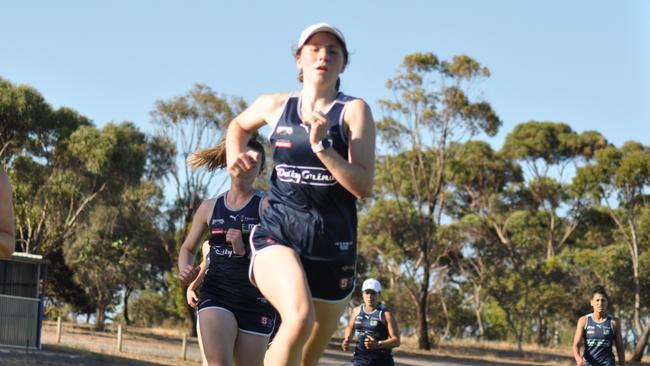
<point>193,121</point>
<point>481,200</point>
<point>29,125</point>
<point>431,108</point>
<point>549,153</point>
<point>619,180</point>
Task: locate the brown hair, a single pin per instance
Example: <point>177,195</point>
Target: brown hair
<point>214,158</point>
<point>346,58</point>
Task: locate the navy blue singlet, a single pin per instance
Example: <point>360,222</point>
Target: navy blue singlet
<point>308,209</point>
<point>599,338</point>
<point>300,183</point>
<point>371,324</point>
<point>227,273</point>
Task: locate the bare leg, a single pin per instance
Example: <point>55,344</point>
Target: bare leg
<point>327,321</point>
<point>250,349</point>
<point>281,279</point>
<point>218,334</point>
<point>198,333</point>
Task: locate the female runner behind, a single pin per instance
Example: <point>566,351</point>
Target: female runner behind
<point>235,320</point>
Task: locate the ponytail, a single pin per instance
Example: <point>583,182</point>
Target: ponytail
<point>214,158</point>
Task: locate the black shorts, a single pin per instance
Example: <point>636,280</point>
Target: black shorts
<point>329,279</point>
<point>380,359</point>
<point>254,321</point>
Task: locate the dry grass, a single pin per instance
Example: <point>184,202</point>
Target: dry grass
<point>142,340</point>
<point>503,352</point>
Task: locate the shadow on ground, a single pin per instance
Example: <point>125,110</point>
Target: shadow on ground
<point>52,355</point>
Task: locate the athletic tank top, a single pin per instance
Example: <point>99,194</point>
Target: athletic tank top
<point>598,341</point>
<point>370,324</point>
<point>301,183</point>
<point>227,272</point>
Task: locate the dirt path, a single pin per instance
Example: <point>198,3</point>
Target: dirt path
<point>145,347</point>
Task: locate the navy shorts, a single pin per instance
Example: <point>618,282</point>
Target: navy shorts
<point>380,359</point>
<point>254,321</point>
<point>329,279</point>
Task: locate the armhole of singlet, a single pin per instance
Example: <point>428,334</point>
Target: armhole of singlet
<point>587,321</point>
<point>344,135</point>
<point>382,313</point>
<point>214,209</point>
<point>284,110</point>
<point>610,317</point>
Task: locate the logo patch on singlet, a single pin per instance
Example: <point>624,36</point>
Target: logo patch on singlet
<point>314,176</point>
<point>284,130</point>
<point>287,144</point>
<point>224,252</point>
<point>344,246</point>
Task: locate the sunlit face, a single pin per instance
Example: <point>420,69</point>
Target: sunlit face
<point>370,298</point>
<point>321,59</point>
<point>599,303</point>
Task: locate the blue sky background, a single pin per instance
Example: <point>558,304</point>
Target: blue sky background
<point>585,63</point>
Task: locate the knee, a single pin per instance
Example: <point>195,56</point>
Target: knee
<point>300,322</point>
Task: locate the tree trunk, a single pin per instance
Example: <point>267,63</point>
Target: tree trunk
<point>100,315</point>
<point>127,294</point>
<point>423,329</point>
<point>477,311</point>
<point>641,344</point>
<point>518,334</point>
<point>550,252</point>
<point>423,333</point>
<point>541,331</point>
<point>447,320</point>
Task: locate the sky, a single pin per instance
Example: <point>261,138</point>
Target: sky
<point>585,63</point>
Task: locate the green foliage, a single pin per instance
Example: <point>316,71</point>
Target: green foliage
<point>551,142</point>
<point>496,326</point>
<point>402,230</point>
<point>28,122</point>
<point>71,176</point>
<point>150,309</point>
